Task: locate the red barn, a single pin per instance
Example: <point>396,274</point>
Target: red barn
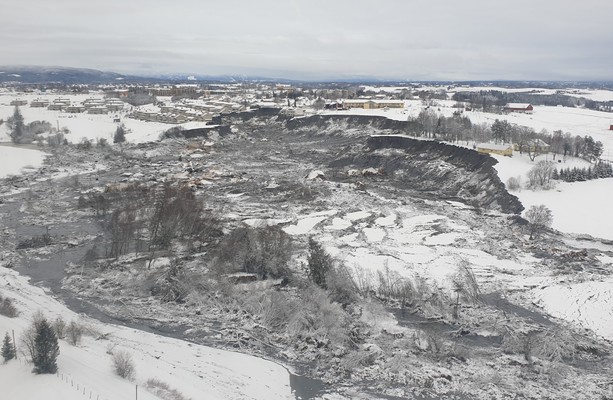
<point>519,107</point>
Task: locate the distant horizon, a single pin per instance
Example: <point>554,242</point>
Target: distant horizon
<point>185,76</point>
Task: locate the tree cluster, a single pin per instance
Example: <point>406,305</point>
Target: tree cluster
<point>540,176</point>
<point>496,99</point>
<point>22,133</point>
<point>599,170</point>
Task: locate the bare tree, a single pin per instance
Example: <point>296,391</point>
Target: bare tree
<point>539,218</point>
<point>540,175</point>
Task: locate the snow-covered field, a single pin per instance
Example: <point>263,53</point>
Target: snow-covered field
<point>577,207</point>
<point>14,159</point>
<point>83,125</point>
<point>197,372</point>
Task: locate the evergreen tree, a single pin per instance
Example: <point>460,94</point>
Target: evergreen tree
<point>46,349</point>
<point>8,350</point>
<point>120,134</point>
<point>555,175</point>
<point>18,130</point>
<point>501,131</point>
<point>319,262</point>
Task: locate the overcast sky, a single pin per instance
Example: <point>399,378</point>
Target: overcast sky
<point>317,39</point>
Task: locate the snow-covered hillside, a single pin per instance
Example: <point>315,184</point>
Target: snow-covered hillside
<point>197,372</point>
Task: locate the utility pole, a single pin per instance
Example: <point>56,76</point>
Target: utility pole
<point>14,344</point>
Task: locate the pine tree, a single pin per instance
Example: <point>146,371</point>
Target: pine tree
<point>319,263</point>
<point>46,349</point>
<point>120,134</point>
<point>8,350</point>
<point>18,126</point>
<point>555,175</point>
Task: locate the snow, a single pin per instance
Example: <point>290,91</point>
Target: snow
<point>357,215</point>
<point>374,235</point>
<point>198,372</point>
<point>306,224</point>
<point>577,207</point>
<point>14,159</point>
<point>339,224</point>
<point>588,304</point>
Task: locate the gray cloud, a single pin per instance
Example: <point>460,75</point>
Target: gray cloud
<point>398,39</point>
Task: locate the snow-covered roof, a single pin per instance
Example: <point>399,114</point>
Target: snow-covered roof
<point>493,146</point>
<point>522,106</point>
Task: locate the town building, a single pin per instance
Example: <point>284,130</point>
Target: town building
<point>39,103</point>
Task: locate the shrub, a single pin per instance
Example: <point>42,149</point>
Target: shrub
<point>318,319</point>
<point>84,144</point>
<point>265,251</point>
<point>123,364</point>
<point>7,308</point>
<point>513,184</point>
<point>341,287</point>
<point>163,391</point>
<point>35,242</point>
<point>59,327</point>
<point>56,140</point>
<point>74,333</point>
<point>465,283</point>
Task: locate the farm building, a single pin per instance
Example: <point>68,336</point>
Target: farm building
<point>490,148</point>
<point>519,107</point>
<point>372,104</point>
<point>534,145</point>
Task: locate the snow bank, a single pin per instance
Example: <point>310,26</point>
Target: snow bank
<point>14,159</point>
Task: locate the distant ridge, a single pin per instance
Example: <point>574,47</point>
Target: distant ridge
<point>37,74</point>
<point>28,74</point>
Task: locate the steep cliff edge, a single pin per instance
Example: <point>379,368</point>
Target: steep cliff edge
<point>445,171</point>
